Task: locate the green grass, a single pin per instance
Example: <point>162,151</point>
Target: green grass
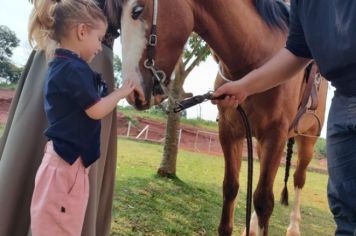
<point>320,148</point>
<point>8,86</point>
<point>2,127</point>
<point>145,204</point>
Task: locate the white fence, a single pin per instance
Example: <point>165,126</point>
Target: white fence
<point>188,138</point>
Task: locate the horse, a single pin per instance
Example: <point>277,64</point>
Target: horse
<point>243,35</point>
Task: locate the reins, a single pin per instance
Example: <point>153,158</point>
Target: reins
<point>158,76</point>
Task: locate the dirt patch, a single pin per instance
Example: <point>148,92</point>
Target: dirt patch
<point>5,101</point>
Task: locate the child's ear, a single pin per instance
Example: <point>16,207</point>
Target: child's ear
<point>81,31</point>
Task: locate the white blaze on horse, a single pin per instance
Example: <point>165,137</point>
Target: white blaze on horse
<point>243,34</point>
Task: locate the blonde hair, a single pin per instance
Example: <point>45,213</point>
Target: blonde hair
<point>50,20</point>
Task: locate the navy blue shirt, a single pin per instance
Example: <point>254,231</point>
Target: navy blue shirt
<point>326,31</point>
<point>71,87</point>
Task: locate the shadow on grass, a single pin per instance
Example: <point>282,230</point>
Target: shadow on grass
<point>162,206</point>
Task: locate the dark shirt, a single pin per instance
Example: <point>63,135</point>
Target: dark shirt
<point>71,87</point>
<point>326,31</point>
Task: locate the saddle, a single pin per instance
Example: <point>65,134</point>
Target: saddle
<point>309,99</point>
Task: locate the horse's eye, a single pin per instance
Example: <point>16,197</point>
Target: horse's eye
<point>136,12</point>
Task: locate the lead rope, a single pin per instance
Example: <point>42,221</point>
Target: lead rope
<point>189,102</point>
<point>249,167</point>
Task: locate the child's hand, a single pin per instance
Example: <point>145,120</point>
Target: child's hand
<point>126,88</point>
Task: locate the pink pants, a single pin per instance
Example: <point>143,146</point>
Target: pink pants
<point>60,196</point>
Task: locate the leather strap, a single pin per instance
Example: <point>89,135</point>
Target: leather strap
<point>309,101</point>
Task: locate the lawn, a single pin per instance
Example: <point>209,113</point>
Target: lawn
<point>145,204</point>
<point>2,127</point>
<point>8,86</point>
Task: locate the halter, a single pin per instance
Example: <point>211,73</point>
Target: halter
<point>221,74</point>
<point>158,76</point>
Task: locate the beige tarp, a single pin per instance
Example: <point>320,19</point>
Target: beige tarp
<point>21,150</point>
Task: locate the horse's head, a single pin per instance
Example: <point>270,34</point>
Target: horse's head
<point>153,34</point>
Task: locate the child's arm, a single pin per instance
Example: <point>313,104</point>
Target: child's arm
<point>100,109</point>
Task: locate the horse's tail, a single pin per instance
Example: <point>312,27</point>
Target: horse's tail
<point>284,195</point>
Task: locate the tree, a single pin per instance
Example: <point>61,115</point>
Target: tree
<point>195,52</point>
<point>117,70</point>
<point>10,72</point>
<point>8,41</point>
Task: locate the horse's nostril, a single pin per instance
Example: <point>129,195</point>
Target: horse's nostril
<point>136,95</point>
<point>138,102</point>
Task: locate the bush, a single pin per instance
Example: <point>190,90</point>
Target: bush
<point>320,148</point>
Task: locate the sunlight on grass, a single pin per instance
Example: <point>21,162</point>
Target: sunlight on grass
<point>2,127</point>
<point>8,86</point>
<point>145,204</point>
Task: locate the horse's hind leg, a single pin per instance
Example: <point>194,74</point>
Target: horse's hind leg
<point>305,153</point>
<point>232,154</point>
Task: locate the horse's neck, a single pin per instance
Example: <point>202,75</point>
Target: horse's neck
<point>236,33</point>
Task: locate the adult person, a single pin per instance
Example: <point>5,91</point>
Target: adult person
<point>323,30</point>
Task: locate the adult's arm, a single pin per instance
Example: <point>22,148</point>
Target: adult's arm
<point>280,68</point>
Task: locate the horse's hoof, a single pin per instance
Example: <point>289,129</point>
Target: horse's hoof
<point>291,232</point>
<point>225,232</point>
<point>252,233</point>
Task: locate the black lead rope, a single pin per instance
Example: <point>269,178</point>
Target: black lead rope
<point>189,102</point>
<point>249,167</point>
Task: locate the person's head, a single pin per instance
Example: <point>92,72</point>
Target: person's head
<point>79,25</point>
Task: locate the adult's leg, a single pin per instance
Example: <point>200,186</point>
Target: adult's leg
<point>22,149</point>
<point>102,173</point>
<point>341,154</point>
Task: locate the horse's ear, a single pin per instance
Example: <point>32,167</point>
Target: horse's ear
<point>113,9</point>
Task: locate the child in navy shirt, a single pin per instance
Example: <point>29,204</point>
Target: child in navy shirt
<point>74,105</point>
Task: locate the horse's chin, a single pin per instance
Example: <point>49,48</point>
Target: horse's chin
<point>158,99</point>
<point>141,105</point>
<point>135,100</point>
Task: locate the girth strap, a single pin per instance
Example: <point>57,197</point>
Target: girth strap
<point>309,101</point>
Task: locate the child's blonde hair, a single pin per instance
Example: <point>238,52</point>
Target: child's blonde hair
<point>50,20</point>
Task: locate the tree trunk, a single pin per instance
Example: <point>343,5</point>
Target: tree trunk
<point>197,54</point>
<point>168,163</point>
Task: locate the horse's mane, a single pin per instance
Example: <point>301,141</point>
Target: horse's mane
<point>274,12</point>
<point>113,9</point>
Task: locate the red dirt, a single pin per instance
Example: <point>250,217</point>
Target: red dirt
<point>5,101</point>
<point>192,138</point>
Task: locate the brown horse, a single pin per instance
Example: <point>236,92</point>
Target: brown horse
<point>244,34</point>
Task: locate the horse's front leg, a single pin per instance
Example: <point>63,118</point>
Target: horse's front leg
<point>272,145</point>
<point>232,154</point>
